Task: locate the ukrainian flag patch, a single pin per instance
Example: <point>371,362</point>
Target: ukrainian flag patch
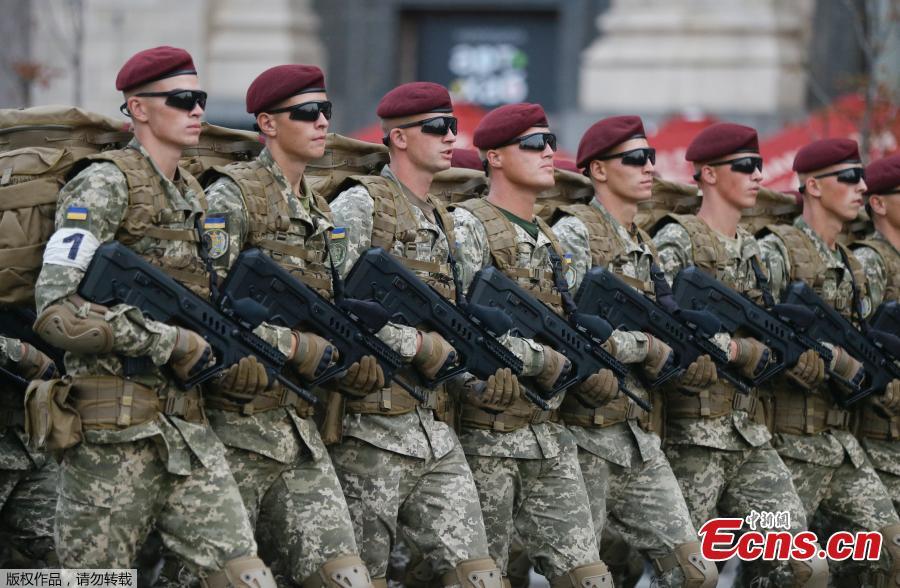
<point>214,223</point>
<point>338,233</point>
<point>76,213</point>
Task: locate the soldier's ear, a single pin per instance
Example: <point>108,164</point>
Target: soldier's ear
<point>493,158</point>
<point>708,175</point>
<point>876,205</point>
<point>265,122</point>
<point>812,188</point>
<point>598,170</point>
<point>398,138</point>
<point>136,108</point>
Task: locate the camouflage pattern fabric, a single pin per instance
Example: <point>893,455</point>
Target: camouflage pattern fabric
<point>876,269</point>
<point>120,482</point>
<point>405,475</point>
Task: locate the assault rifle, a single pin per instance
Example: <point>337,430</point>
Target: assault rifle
<point>833,328</point>
<point>379,277</point>
<point>885,326</point>
<point>687,332</point>
<point>119,275</point>
<point>350,326</point>
<point>15,322</point>
<point>784,328</point>
<point>579,340</point>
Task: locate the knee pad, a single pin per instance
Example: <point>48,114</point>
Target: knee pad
<point>81,329</point>
<point>810,573</point>
<point>379,583</point>
<point>592,575</point>
<point>474,573</point>
<point>347,571</point>
<point>241,572</point>
<point>698,572</point>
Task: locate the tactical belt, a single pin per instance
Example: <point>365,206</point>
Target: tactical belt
<point>275,398</point>
<point>394,400</point>
<point>873,425</point>
<point>475,417</point>
<point>806,414</point>
<point>619,410</point>
<point>716,401</point>
<point>110,402</point>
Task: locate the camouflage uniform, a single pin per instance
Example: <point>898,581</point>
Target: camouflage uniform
<point>830,470</point>
<point>403,472</point>
<point>27,484</point>
<point>880,436</point>
<point>169,471</point>
<point>282,468</point>
<point>527,473</point>
<point>724,460</point>
<point>626,472</point>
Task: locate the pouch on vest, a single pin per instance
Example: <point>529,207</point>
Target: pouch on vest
<point>51,422</point>
<point>344,157</point>
<point>37,149</point>
<point>219,146</point>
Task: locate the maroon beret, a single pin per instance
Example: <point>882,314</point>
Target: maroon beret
<point>505,123</point>
<point>281,82</point>
<point>414,98</point>
<point>154,64</point>
<point>825,152</point>
<point>721,139</point>
<point>467,158</point>
<point>883,176</point>
<point>606,134</point>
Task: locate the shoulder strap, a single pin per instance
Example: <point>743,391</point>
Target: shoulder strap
<point>394,220</point>
<point>858,283</point>
<point>891,259</point>
<point>501,233</point>
<point>803,257</point>
<point>708,252</point>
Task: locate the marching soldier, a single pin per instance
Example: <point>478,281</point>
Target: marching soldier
<point>147,458</point>
<point>526,466</point>
<point>829,468</point>
<point>628,477</point>
<point>716,439</point>
<point>401,466</point>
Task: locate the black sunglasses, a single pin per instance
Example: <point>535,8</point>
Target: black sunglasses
<point>180,99</point>
<point>306,111</point>
<point>744,165</point>
<point>533,142</point>
<point>436,125</point>
<point>636,157</point>
<point>851,175</point>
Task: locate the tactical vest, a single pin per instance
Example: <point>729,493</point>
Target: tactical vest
<point>708,251</point>
<point>891,260</point>
<point>503,243</point>
<point>271,228</point>
<point>807,265</point>
<point>149,216</point>
<point>395,221</point>
<point>604,244</point>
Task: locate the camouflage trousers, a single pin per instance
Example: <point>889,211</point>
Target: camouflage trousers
<point>716,482</point>
<point>112,495</point>
<point>544,502</point>
<point>429,504</point>
<point>885,458</point>
<point>27,508</point>
<point>644,503</point>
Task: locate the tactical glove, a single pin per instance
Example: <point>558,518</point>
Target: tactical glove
<point>434,353</point>
<point>698,376</point>
<point>363,377</point>
<point>845,365</point>
<point>499,391</point>
<point>750,356</point>
<point>191,354</point>
<point>888,403</point>
<point>31,363</point>
<point>809,371</point>
<point>598,389</point>
<point>245,379</point>
<point>659,357</point>
<point>555,366</point>
<point>312,354</point>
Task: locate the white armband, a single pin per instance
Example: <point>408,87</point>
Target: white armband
<point>71,248</point>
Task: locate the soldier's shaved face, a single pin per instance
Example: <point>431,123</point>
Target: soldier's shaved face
<point>625,181</point>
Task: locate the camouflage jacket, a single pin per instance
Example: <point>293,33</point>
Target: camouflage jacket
<point>880,279</point>
<point>93,205</point>
<point>14,451</point>
<point>624,444</point>
<point>267,433</point>
<point>736,430</point>
<point>474,253</point>
<point>826,448</point>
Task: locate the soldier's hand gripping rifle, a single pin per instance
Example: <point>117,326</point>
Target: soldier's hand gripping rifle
<point>119,275</point>
<point>350,326</point>
<point>687,332</point>
<point>379,277</point>
<point>783,328</point>
<point>15,322</point>
<point>829,326</point>
<point>579,340</point>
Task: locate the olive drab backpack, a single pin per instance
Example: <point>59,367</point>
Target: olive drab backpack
<point>570,188</point>
<point>219,146</point>
<point>458,184</point>
<point>37,149</point>
<point>344,157</point>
